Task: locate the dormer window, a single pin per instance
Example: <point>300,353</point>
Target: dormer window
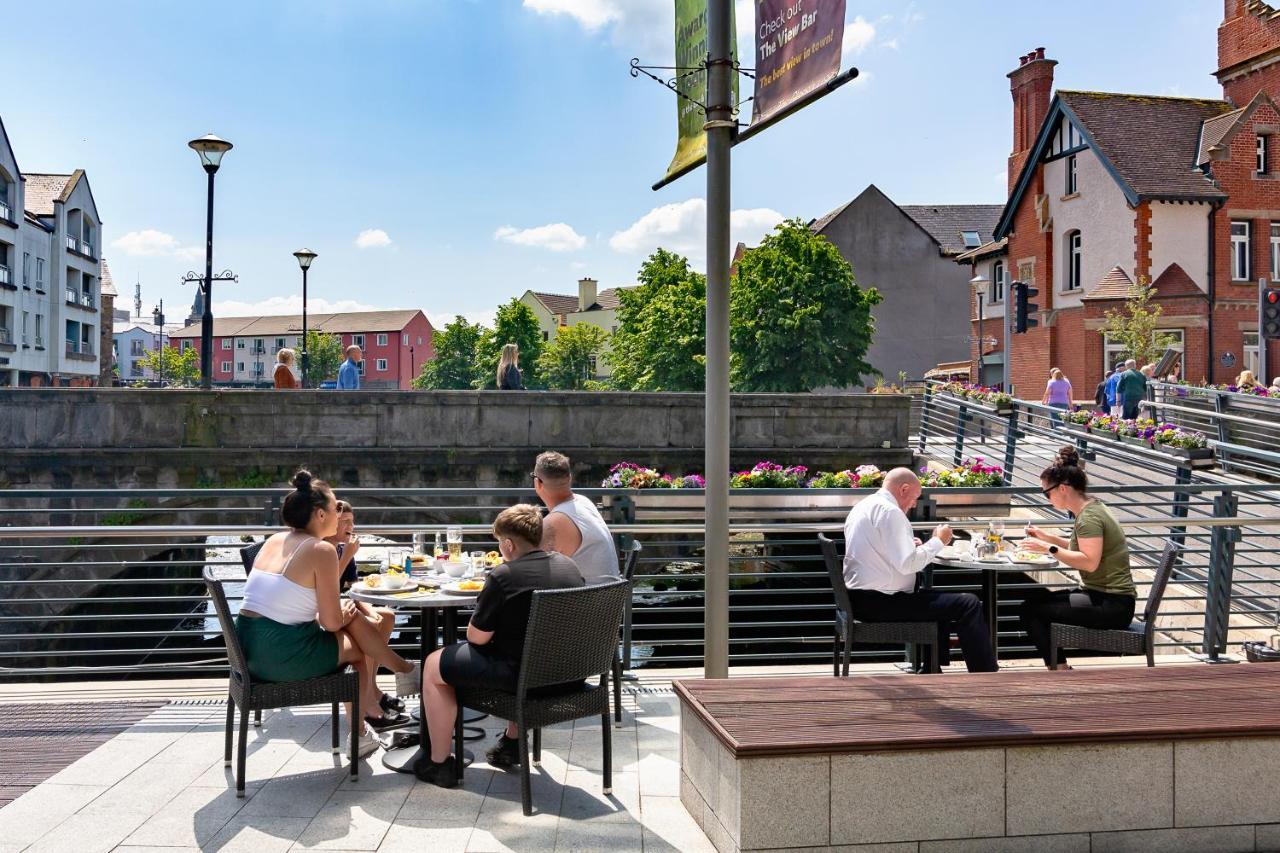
<point>1262,148</point>
<point>1072,185</point>
<point>971,239</point>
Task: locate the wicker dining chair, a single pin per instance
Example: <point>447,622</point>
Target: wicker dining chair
<point>1138,638</point>
<point>248,695</point>
<point>630,556</point>
<point>850,632</point>
<point>572,636</point>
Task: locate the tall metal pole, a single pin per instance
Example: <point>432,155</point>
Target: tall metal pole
<point>719,130</point>
<point>978,294</point>
<point>206,319</point>
<point>1005,340</point>
<point>305,360</point>
<point>1263,376</point>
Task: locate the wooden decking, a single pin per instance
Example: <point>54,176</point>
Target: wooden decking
<point>794,716</point>
<point>38,740</point>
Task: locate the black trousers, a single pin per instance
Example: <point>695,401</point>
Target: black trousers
<point>1084,607</point>
<point>1129,410</point>
<point>953,611</point>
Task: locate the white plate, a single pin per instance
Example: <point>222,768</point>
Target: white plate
<point>1045,562</point>
<point>362,587</point>
<point>452,589</point>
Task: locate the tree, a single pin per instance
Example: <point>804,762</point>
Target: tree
<point>516,324</point>
<point>661,340</point>
<point>567,363</point>
<point>1134,325</point>
<point>180,367</point>
<point>798,321</point>
<point>324,357</point>
<point>454,367</point>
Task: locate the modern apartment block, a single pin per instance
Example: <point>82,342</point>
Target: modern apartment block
<point>50,276</point>
<point>396,344</point>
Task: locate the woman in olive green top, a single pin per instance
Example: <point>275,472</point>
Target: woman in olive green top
<point>1097,549</point>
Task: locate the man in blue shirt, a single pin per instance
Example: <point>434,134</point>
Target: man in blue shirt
<point>1113,400</point>
<point>349,372</point>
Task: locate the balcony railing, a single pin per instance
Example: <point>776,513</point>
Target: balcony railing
<point>6,277</point>
<point>86,300</point>
<point>39,341</point>
<point>6,336</point>
<point>73,296</point>
<point>6,212</point>
<point>81,348</point>
<point>71,242</point>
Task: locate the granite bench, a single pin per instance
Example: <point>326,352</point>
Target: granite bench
<point>1174,758</point>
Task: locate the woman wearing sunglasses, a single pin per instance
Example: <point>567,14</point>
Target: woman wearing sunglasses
<point>1097,550</point>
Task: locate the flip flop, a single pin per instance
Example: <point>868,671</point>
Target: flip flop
<point>391,704</point>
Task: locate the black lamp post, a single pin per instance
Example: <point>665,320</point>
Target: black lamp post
<point>210,148</point>
<point>157,315</point>
<point>305,257</point>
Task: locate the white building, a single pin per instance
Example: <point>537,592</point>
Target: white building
<point>50,276</point>
<point>132,340</point>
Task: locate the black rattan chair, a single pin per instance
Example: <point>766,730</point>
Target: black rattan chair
<point>850,632</point>
<point>1138,638</point>
<point>249,696</point>
<point>630,555</point>
<point>572,636</point>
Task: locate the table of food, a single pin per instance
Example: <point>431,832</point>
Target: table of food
<point>1004,557</point>
<point>436,588</point>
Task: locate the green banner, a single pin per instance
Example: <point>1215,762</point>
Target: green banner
<point>691,52</point>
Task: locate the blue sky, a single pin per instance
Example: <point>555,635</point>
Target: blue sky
<point>449,155</point>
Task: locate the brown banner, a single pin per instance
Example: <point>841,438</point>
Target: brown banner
<point>797,50</point>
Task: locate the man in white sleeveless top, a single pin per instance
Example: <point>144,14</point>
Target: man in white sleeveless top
<point>573,526</point>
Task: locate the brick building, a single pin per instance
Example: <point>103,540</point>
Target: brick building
<point>1107,189</point>
<point>396,344</point>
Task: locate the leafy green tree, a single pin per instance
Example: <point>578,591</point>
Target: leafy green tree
<point>661,340</point>
<point>324,357</point>
<point>515,324</point>
<point>798,321</point>
<point>454,367</point>
<point>180,367</point>
<point>1135,325</point>
<point>566,362</point>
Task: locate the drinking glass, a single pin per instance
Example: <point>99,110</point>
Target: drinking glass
<point>477,562</point>
<point>454,535</point>
<point>996,534</point>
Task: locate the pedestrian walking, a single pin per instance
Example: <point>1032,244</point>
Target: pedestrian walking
<point>1057,393</point>
<point>1131,389</point>
<point>509,376</point>
<point>1113,395</point>
<point>349,372</point>
<point>283,376</point>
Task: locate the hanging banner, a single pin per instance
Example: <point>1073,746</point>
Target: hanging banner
<point>797,50</point>
<point>691,52</point>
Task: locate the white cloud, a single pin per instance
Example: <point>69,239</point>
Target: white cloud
<point>858,35</point>
<point>484,317</point>
<point>286,305</point>
<point>372,238</point>
<point>591,14</point>
<point>557,237</point>
<point>150,243</point>
<point>682,227</point>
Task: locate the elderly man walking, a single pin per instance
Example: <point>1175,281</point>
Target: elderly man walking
<point>1131,390</point>
<point>882,560</point>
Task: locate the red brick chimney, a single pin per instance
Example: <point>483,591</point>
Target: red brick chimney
<point>1248,50</point>
<point>1031,84</point>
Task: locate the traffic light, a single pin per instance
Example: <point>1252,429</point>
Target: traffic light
<point>1024,307</point>
<point>1270,313</point>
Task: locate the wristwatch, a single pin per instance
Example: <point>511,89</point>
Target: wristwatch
<point>1053,549</point>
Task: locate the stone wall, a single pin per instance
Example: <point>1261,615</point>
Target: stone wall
<point>140,438</point>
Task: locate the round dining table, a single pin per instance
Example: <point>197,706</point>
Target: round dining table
<point>990,571</point>
<point>439,609</point>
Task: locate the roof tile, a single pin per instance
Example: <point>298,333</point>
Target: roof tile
<point>946,223</point>
<point>42,190</point>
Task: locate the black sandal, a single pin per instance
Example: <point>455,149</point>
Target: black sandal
<point>391,704</point>
<point>387,721</point>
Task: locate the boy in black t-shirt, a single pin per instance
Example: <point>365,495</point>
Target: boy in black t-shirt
<point>495,638</point>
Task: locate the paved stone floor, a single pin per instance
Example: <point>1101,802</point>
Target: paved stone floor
<point>162,785</point>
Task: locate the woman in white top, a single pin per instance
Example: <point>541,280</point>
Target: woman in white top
<point>292,623</point>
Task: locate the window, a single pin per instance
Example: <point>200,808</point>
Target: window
<point>357,340</point>
<point>226,343</point>
<point>257,369</point>
<point>1275,252</point>
<point>135,348</point>
<point>592,362</point>
<point>240,343</point>
<point>546,336</point>
<point>419,340</point>
<point>226,365</point>
<point>26,269</point>
<point>40,274</point>
<point>1071,175</point>
<point>1262,146</point>
<point>382,365</point>
<point>26,317</point>
<point>279,344</point>
<point>135,369</point>
<point>971,239</point>
<point>404,340</point>
<point>1251,351</point>
<point>997,282</point>
<point>259,346</point>
<point>361,365</point>
<point>39,326</point>
<point>1114,353</point>
<point>1074,257</point>
<point>382,340</point>
<point>1240,251</point>
<point>240,367</point>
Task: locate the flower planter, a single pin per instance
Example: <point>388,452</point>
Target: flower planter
<point>676,505</point>
<point>1199,457</point>
<point>1102,433</point>
<point>1136,441</point>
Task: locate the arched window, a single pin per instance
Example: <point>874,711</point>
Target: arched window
<point>1074,257</point>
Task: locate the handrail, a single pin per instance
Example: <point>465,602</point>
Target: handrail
<point>1173,407</point>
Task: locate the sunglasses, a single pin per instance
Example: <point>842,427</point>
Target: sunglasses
<point>1048,491</point>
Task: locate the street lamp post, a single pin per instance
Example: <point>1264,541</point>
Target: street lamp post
<point>305,257</point>
<point>210,148</point>
<point>157,315</point>
<point>979,283</point>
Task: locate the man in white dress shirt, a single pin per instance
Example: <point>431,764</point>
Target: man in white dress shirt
<point>882,560</point>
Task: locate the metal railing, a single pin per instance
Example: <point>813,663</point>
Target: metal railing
<point>103,581</point>
<point>6,275</point>
<point>6,212</point>
<point>71,242</point>
<point>73,296</point>
<point>6,336</point>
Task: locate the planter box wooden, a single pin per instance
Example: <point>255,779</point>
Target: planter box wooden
<point>677,505</point>
<point>1135,441</point>
<point>1102,433</point>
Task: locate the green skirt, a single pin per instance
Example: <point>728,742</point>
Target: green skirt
<point>279,652</point>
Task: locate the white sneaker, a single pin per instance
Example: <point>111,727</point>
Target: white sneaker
<point>409,683</point>
<point>367,744</point>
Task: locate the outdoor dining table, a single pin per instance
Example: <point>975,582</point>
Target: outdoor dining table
<point>990,571</point>
<point>438,609</point>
